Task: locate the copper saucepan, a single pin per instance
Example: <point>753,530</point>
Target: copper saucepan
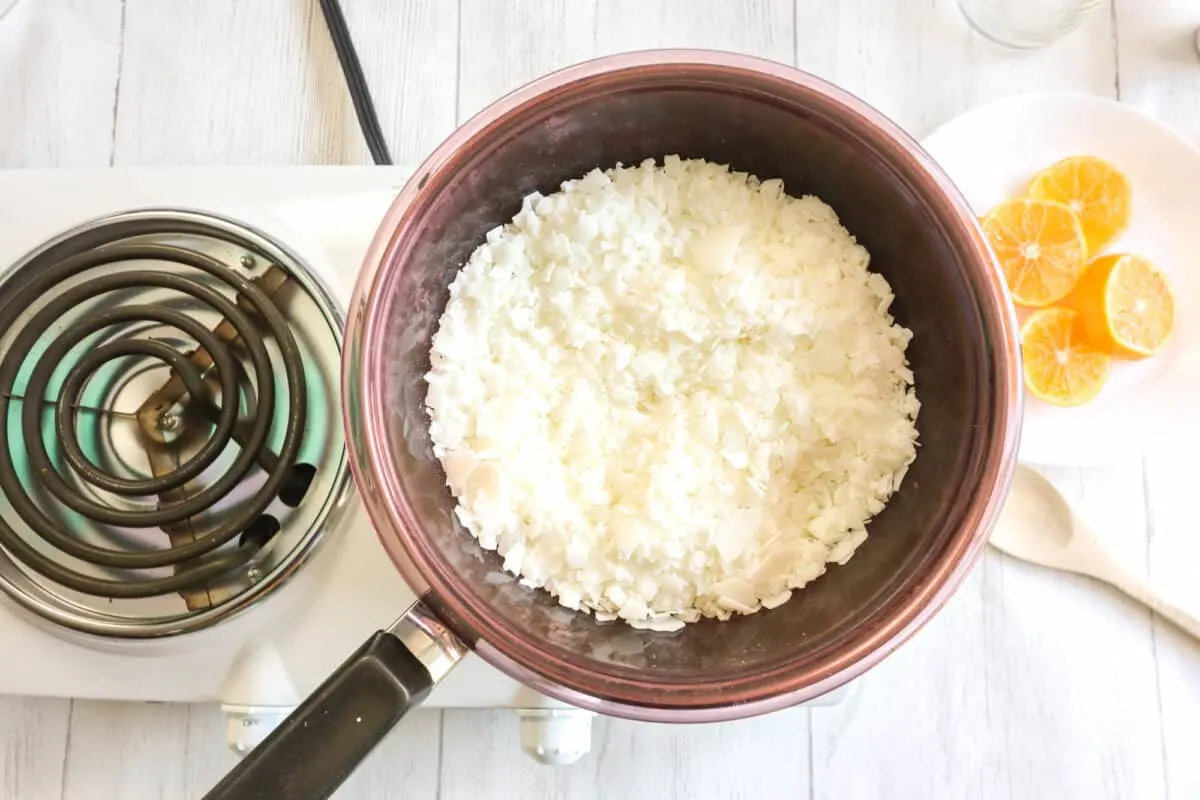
<point>772,121</point>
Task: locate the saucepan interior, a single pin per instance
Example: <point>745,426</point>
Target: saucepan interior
<point>775,123</point>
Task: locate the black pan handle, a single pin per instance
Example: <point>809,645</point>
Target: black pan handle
<point>319,744</point>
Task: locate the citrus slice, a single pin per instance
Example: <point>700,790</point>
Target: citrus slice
<point>1061,367</point>
<point>1125,304</point>
<point>1095,190</point>
<point>1040,247</point>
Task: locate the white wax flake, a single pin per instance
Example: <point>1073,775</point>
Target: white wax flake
<point>669,392</point>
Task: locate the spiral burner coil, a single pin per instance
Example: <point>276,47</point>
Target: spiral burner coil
<point>202,347</point>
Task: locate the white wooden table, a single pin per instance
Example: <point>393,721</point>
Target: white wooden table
<point>1029,685</point>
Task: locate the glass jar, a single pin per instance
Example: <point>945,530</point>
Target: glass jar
<point>1026,23</point>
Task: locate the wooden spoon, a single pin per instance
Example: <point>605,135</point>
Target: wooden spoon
<point>1037,525</point>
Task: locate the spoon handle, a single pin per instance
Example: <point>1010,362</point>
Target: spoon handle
<point>1141,592</point>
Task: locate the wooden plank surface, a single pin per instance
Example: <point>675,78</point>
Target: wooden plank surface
<point>917,61</point>
<point>1156,46</point>
<point>756,758</point>
<point>259,83</point>
<point>254,84</point>
<point>761,27</point>
<point>127,750</point>
<point>1029,684</point>
<point>505,44</point>
<point>58,79</point>
<point>33,746</point>
<point>1174,550</point>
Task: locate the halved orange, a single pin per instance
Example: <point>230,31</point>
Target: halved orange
<point>1095,190</point>
<point>1060,366</point>
<point>1125,304</point>
<point>1040,247</point>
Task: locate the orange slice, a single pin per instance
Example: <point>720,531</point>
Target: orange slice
<point>1125,305</point>
<point>1060,366</point>
<point>1095,190</point>
<point>1040,247</point>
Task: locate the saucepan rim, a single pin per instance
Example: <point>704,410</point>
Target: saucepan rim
<point>390,511</point>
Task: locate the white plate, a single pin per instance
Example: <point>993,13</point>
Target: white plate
<point>992,151</point>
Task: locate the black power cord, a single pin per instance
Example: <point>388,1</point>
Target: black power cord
<point>356,82</point>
